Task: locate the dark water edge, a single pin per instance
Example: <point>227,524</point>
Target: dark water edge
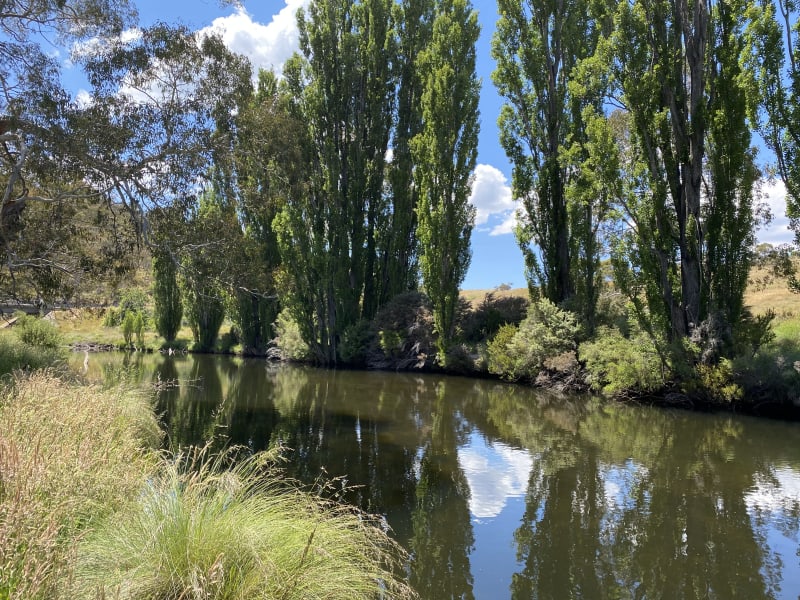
<point>503,491</point>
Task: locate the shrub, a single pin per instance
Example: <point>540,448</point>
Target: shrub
<point>617,365</point>
<point>131,300</point>
<point>128,328</point>
<point>15,354</point>
<point>404,327</point>
<point>546,332</point>
<point>499,359</point>
<point>358,341</point>
<point>197,531</point>
<point>492,313</point>
<point>37,332</point>
<point>288,343</point>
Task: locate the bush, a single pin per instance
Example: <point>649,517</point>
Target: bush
<point>15,355</point>
<point>37,332</point>
<point>546,332</point>
<point>132,300</point>
<point>197,531</point>
<point>128,328</point>
<point>499,359</point>
<point>358,341</point>
<point>404,327</point>
<point>491,314</point>
<point>288,343</point>
<point>617,365</point>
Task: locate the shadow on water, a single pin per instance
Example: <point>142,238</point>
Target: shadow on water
<point>502,492</point>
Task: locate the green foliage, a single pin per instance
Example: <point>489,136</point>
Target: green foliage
<point>619,365</point>
<point>129,328</point>
<point>499,358</point>
<point>37,332</point>
<point>717,382</point>
<point>445,152</point>
<point>198,530</point>
<point>358,341</point>
<point>17,355</point>
<point>166,296</point>
<point>553,130</point>
<point>289,343</point>
<point>343,89</point>
<point>131,300</point>
<point>546,333</point>
<point>138,329</point>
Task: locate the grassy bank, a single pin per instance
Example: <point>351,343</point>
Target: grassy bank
<point>90,509</point>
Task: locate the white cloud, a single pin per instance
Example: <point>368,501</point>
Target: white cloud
<point>267,46</point>
<point>491,196</point>
<point>776,232</point>
<point>83,99</point>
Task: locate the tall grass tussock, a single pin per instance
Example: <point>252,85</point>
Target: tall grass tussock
<point>198,530</point>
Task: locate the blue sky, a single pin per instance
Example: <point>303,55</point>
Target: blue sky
<point>265,31</point>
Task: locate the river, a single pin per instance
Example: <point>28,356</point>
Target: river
<point>500,491</point>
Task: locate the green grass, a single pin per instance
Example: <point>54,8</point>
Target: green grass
<point>209,532</point>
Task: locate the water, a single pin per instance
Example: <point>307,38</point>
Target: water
<point>500,491</point>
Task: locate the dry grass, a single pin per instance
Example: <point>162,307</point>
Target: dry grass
<point>475,297</point>
<point>765,293</point>
<point>69,454</point>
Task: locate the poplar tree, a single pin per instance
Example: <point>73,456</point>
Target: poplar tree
<point>166,295</point>
<point>678,65</point>
<point>399,268</point>
<point>344,91</point>
<point>445,153</point>
<point>548,127</point>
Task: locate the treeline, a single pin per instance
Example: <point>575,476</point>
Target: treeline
<point>630,128</point>
<point>344,183</point>
<point>328,191</point>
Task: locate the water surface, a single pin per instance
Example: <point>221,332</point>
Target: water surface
<point>500,491</point>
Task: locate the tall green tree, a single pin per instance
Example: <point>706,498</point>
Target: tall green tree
<point>344,92</point>
<point>445,152</point>
<point>678,64</point>
<point>205,261</point>
<point>166,295</point>
<point>399,269</point>
<point>545,127</point>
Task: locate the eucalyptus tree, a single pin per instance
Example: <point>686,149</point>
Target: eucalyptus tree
<point>344,92</point>
<point>444,153</point>
<point>773,38</point>
<point>692,217</point>
<point>143,134</point>
<point>545,129</point>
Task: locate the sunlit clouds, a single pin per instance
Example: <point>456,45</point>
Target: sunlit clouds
<point>491,196</point>
<point>267,46</point>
